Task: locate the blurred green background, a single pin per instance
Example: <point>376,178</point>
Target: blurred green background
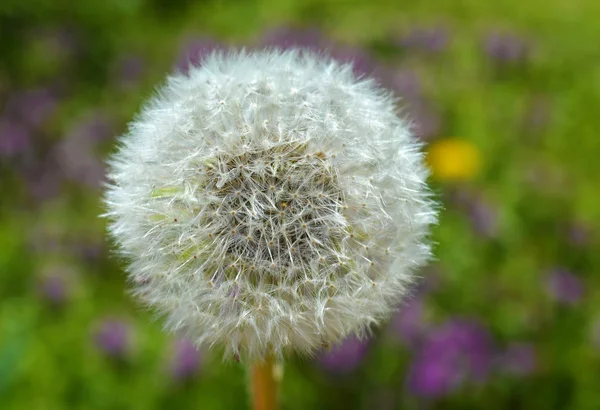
<point>506,94</point>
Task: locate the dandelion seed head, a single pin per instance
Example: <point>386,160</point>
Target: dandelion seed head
<point>270,203</point>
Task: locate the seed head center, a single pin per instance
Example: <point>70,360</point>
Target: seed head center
<point>277,209</point>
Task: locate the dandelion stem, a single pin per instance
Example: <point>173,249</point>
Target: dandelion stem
<point>265,385</point>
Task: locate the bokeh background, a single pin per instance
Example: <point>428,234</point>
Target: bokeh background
<point>506,94</point>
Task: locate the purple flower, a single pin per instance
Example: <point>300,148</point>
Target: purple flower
<point>128,70</point>
<point>287,37</point>
<point>53,289</point>
<point>361,61</point>
<point>459,196</point>
<point>193,52</point>
<point>519,359</point>
<point>505,47</point>
<point>92,173</point>
<point>113,338</point>
<point>185,361</point>
<point>43,180</point>
<point>94,127</point>
<point>431,39</point>
<point>483,218</point>
<point>80,164</point>
<point>32,107</point>
<point>89,250</point>
<point>564,287</point>
<point>435,375</point>
<point>345,357</point>
<point>407,83</point>
<point>454,353</point>
<point>14,138</point>
<point>426,122</point>
<point>408,324</point>
<point>76,155</point>
<point>482,215</point>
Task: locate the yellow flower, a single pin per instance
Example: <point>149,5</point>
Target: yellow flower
<point>453,159</point>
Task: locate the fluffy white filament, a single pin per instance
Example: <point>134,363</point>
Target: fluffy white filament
<point>270,202</point>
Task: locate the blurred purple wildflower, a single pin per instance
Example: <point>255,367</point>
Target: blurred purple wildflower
<point>361,61</point>
<point>505,48</point>
<point>94,127</point>
<point>193,52</point>
<point>430,39</point>
<point>128,70</point>
<point>32,107</point>
<point>43,180</point>
<point>459,196</point>
<point>564,287</point>
<point>92,173</point>
<point>456,352</point>
<point>407,84</point>
<point>185,362</point>
<point>113,338</point>
<point>89,250</point>
<point>409,324</point>
<point>288,37</point>
<point>345,357</point>
<point>519,359</point>
<point>426,122</point>
<point>80,165</point>
<point>312,39</point>
<point>14,138</point>
<point>76,154</point>
<point>53,288</point>
<point>483,218</point>
<point>482,215</point>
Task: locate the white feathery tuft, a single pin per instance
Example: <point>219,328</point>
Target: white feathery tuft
<point>270,202</point>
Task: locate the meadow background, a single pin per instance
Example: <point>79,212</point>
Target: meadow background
<point>506,93</point>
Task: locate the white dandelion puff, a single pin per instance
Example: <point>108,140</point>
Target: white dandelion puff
<point>270,202</point>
